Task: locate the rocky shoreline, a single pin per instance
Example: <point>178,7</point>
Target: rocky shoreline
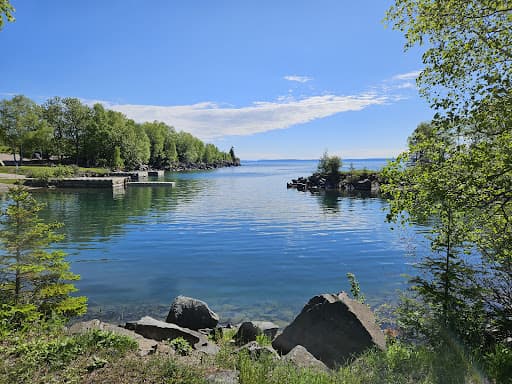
<point>360,181</point>
<point>184,167</point>
<point>329,331</point>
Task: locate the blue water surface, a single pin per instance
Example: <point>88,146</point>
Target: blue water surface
<point>234,237</point>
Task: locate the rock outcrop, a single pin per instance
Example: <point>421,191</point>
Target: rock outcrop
<point>191,313</point>
<point>332,328</point>
<point>158,330</point>
<point>249,330</point>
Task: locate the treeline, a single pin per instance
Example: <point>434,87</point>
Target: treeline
<point>66,130</point>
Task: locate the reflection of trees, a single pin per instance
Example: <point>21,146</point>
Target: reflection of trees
<point>330,199</point>
<point>89,213</point>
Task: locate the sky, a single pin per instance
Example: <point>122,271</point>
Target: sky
<point>274,79</point>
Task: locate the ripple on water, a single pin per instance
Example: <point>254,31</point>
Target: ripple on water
<point>235,237</point>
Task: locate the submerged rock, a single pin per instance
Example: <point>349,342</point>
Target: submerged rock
<point>332,328</point>
<point>191,313</point>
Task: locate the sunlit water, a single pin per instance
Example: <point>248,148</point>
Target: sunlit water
<point>234,237</point>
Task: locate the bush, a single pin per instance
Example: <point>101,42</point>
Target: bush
<point>181,346</point>
<point>329,167</point>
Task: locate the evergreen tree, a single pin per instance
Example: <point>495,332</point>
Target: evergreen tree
<point>34,277</point>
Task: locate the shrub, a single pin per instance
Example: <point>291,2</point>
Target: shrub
<point>181,346</point>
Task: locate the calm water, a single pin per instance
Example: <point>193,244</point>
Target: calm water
<point>234,237</point>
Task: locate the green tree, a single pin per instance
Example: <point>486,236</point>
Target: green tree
<point>76,117</point>
<point>467,80</point>
<point>117,161</point>
<point>329,167</point>
<point>6,9</point>
<point>18,117</point>
<point>34,277</point>
<point>53,114</point>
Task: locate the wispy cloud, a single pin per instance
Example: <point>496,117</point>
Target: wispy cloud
<point>209,120</point>
<point>299,79</point>
<point>407,76</point>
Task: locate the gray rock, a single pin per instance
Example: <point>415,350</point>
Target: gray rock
<point>303,359</point>
<point>250,329</point>
<point>191,313</point>
<point>255,350</point>
<point>363,185</point>
<point>332,328</point>
<point>145,346</point>
<point>158,330</point>
<point>223,377</point>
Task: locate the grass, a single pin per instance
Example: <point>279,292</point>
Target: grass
<point>46,354</point>
<point>11,181</point>
<point>47,171</point>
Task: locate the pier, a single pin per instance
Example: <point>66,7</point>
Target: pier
<point>90,182</point>
<point>152,184</point>
<point>134,175</point>
<point>157,173</point>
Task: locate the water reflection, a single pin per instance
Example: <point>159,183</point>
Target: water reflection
<point>235,237</point>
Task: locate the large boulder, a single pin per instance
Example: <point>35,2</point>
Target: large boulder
<point>191,313</point>
<point>158,330</point>
<point>250,329</point>
<point>332,328</point>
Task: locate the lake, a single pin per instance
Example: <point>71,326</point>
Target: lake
<point>236,238</point>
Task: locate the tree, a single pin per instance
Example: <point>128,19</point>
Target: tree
<point>469,54</point>
<point>76,117</point>
<point>467,79</point>
<point>117,161</point>
<point>18,117</point>
<point>34,277</point>
<point>329,167</point>
<point>6,9</point>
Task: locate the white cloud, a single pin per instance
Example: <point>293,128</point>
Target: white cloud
<point>407,76</point>
<point>300,79</point>
<point>208,120</point>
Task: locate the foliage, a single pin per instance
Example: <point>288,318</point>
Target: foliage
<point>355,289</point>
<point>68,129</point>
<point>329,167</point>
<point>19,118</point>
<point>463,182</point>
<point>181,346</point>
<point>6,9</point>
<point>117,162</point>
<point>34,281</point>
<point>468,54</point>
<point>44,353</point>
<point>499,364</point>
<point>263,340</point>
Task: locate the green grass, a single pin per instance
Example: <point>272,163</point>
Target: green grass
<point>10,181</point>
<point>47,171</point>
<point>46,354</point>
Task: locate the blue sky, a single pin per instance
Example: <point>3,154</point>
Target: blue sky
<point>275,79</point>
